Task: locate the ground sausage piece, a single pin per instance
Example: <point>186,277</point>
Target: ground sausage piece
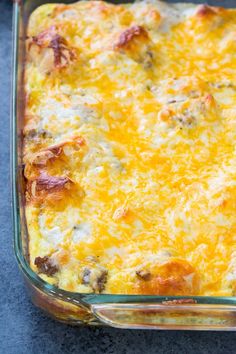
<point>96,278</point>
<point>45,265</point>
<point>143,274</point>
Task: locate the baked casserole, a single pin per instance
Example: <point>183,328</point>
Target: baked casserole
<point>129,147</point>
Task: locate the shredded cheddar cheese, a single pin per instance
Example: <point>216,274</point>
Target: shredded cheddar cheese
<point>129,147</point>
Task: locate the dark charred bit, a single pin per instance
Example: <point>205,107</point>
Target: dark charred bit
<point>129,34</point>
<point>179,302</point>
<point>95,278</point>
<point>46,266</point>
<point>49,38</point>
<point>59,46</point>
<point>143,274</point>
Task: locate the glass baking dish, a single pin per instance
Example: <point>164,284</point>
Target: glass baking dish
<point>122,311</point>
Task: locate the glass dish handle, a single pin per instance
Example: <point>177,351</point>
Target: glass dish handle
<point>166,316</point>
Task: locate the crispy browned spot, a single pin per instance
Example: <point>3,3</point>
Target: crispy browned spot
<point>50,183</point>
<point>52,152</point>
<point>129,35</point>
<point>46,187</point>
<point>206,10</point>
<point>42,157</point>
<point>49,38</point>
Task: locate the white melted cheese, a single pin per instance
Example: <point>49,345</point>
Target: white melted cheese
<point>54,236</point>
<point>81,232</point>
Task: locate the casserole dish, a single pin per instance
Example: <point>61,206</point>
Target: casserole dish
<point>127,311</point>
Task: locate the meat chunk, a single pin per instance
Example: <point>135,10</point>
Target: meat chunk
<point>46,265</point>
<point>96,278</point>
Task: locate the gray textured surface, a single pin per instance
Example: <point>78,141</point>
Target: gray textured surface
<point>23,328</point>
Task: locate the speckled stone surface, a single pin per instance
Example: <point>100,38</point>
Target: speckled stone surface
<point>23,328</point>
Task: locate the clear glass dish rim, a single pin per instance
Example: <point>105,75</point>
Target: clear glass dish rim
<point>72,297</point>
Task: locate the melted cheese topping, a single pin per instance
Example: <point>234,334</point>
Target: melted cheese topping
<point>130,131</point>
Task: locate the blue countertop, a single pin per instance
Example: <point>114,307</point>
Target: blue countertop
<point>23,328</point>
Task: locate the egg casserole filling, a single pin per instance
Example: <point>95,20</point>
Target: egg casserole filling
<point>129,147</point>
